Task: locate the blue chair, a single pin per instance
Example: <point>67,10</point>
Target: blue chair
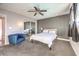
<point>16,38</point>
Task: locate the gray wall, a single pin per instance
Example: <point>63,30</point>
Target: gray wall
<point>60,23</point>
<point>13,20</point>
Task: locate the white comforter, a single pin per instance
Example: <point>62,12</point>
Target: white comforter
<point>44,37</point>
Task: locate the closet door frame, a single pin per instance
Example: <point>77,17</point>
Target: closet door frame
<point>4,30</point>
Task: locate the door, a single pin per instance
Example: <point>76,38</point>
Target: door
<point>0,32</point>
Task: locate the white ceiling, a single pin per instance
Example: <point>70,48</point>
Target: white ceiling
<point>53,9</point>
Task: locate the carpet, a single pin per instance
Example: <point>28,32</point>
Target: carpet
<point>26,48</point>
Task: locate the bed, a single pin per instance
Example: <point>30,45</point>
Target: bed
<point>47,36</point>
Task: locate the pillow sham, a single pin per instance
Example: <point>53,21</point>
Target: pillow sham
<point>45,30</point>
<point>52,32</point>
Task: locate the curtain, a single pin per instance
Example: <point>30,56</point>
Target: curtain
<point>70,27</point>
<point>73,32</point>
<point>69,31</point>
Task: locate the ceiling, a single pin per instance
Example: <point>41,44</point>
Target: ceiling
<point>53,9</point>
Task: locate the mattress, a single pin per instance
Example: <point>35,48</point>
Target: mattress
<point>44,37</point>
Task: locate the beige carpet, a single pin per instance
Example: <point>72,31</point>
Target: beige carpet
<point>26,48</point>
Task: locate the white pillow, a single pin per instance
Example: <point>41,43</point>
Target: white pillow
<point>52,32</point>
<point>45,30</point>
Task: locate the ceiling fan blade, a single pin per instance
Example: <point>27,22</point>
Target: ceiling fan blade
<point>35,14</point>
<point>43,10</point>
<point>41,13</point>
<point>36,8</point>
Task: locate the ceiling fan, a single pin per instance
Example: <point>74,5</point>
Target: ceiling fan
<point>37,10</point>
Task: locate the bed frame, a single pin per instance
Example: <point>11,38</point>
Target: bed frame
<point>48,30</point>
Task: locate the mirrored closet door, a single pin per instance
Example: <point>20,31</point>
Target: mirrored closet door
<point>30,27</point>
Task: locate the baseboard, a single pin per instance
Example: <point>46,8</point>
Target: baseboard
<point>63,39</point>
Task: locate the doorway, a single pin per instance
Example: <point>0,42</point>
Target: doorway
<point>2,31</point>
